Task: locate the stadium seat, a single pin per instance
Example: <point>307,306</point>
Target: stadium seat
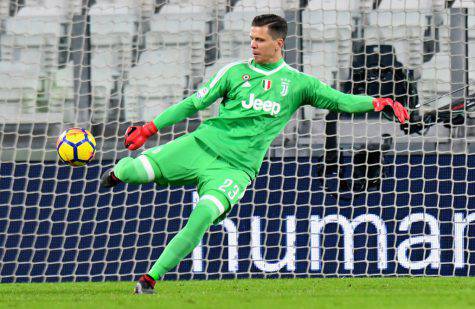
<point>435,78</point>
<point>102,83</point>
<point>18,92</point>
<point>32,38</point>
<point>327,46</point>
<point>218,7</point>
<point>51,8</point>
<point>4,10</point>
<point>327,27</point>
<point>436,74</point>
<point>113,27</point>
<point>471,44</point>
<point>174,58</point>
<point>234,38</point>
<point>470,4</point>
<point>62,93</point>
<point>147,8</point>
<point>402,24</point>
<point>182,28</point>
<point>154,84</point>
<point>138,8</point>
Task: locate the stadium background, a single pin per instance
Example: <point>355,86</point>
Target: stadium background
<point>106,64</point>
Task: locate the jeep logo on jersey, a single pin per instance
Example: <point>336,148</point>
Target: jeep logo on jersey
<point>270,107</point>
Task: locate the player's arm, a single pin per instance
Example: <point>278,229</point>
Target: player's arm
<point>323,96</point>
<point>214,89</point>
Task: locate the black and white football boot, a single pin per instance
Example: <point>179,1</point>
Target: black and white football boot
<point>108,179</point>
<point>145,285</point>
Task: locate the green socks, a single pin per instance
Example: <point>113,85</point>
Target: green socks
<point>187,239</point>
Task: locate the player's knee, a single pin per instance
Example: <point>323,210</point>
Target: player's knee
<point>122,168</point>
<point>136,171</point>
<point>212,205</point>
<point>217,201</point>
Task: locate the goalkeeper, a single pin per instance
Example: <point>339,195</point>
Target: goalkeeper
<point>225,153</point>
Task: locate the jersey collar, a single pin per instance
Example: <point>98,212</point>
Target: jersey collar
<point>268,68</point>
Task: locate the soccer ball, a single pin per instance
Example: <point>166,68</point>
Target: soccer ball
<point>76,146</point>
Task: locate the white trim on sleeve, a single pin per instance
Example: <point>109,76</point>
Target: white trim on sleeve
<point>221,73</point>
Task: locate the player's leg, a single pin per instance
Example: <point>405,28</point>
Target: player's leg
<point>176,163</point>
<point>220,187</point>
<point>140,170</point>
<point>212,205</point>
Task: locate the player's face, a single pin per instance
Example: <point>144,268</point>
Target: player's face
<point>265,49</point>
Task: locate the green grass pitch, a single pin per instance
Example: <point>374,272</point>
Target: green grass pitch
<point>359,293</point>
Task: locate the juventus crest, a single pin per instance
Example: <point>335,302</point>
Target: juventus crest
<point>285,86</point>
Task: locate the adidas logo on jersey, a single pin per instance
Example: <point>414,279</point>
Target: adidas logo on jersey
<point>270,107</point>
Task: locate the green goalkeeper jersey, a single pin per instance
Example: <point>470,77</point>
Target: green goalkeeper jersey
<point>258,101</point>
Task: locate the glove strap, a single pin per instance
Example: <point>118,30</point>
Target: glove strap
<point>380,103</point>
<point>150,128</point>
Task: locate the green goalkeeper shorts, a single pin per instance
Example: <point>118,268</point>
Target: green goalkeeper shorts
<point>188,161</point>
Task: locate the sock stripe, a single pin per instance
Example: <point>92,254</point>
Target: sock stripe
<point>148,167</point>
<point>216,202</point>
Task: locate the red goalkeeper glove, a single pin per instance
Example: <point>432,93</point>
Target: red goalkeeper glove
<point>399,111</point>
<point>136,136</point>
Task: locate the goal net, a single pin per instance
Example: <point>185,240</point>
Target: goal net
<point>337,195</point>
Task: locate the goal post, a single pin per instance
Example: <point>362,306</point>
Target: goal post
<point>337,195</point>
